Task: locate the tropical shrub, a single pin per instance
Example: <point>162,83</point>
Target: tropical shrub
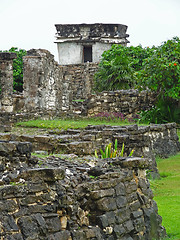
<point>118,67</point>
<point>165,110</point>
<point>161,74</point>
<point>18,69</point>
<point>161,71</point>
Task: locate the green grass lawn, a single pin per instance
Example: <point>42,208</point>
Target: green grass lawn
<point>77,123</point>
<point>167,194</point>
<point>70,123</point>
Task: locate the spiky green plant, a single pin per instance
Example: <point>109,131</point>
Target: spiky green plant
<point>111,152</point>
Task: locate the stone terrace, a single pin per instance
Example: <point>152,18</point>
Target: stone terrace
<point>147,141</point>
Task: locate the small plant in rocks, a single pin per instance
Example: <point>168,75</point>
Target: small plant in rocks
<point>111,152</point>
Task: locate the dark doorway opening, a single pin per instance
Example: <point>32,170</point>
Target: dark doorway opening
<point>87,53</point>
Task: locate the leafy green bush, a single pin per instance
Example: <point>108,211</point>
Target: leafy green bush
<point>118,66</point>
<point>165,110</point>
<point>115,70</point>
<point>161,71</point>
<point>18,69</point>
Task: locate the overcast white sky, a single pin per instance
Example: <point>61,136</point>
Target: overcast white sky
<point>29,24</point>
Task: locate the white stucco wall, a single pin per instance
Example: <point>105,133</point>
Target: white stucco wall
<point>69,53</point>
<point>72,53</point>
<point>98,49</point>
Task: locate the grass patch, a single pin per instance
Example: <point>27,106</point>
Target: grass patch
<point>167,194</point>
<point>71,124</point>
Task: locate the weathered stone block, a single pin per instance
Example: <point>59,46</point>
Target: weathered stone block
<point>102,193</point>
<point>135,205</point>
<point>131,187</point>
<point>15,236</point>
<point>120,189</point>
<point>7,56</point>
<point>28,226</point>
<point>121,201</point>
<point>8,206</point>
<point>119,231</point>
<point>53,224</point>
<point>137,213</point>
<point>8,224</point>
<point>106,204</point>
<point>12,191</point>
<point>139,224</point>
<point>46,174</point>
<point>128,226</point>
<point>64,235</point>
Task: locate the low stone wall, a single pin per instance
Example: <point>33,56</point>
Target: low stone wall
<point>164,139</point>
<point>59,199</point>
<point>128,102</point>
<point>8,119</point>
<point>147,141</point>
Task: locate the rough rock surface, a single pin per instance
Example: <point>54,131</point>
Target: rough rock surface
<point>54,198</point>
<point>147,141</point>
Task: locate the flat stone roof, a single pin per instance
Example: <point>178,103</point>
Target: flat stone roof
<point>97,32</point>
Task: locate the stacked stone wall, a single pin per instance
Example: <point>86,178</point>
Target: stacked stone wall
<point>128,102</point>
<point>80,77</point>
<point>60,199</point>
<point>48,86</point>
<point>147,141</point>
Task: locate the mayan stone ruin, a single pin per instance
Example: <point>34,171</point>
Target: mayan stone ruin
<point>81,43</point>
<point>74,196</point>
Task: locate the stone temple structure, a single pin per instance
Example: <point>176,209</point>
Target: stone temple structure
<point>80,43</point>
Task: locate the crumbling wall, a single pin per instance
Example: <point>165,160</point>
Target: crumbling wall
<point>128,102</point>
<point>164,139</point>
<point>50,87</point>
<point>6,81</point>
<point>60,199</point>
<point>42,82</point>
